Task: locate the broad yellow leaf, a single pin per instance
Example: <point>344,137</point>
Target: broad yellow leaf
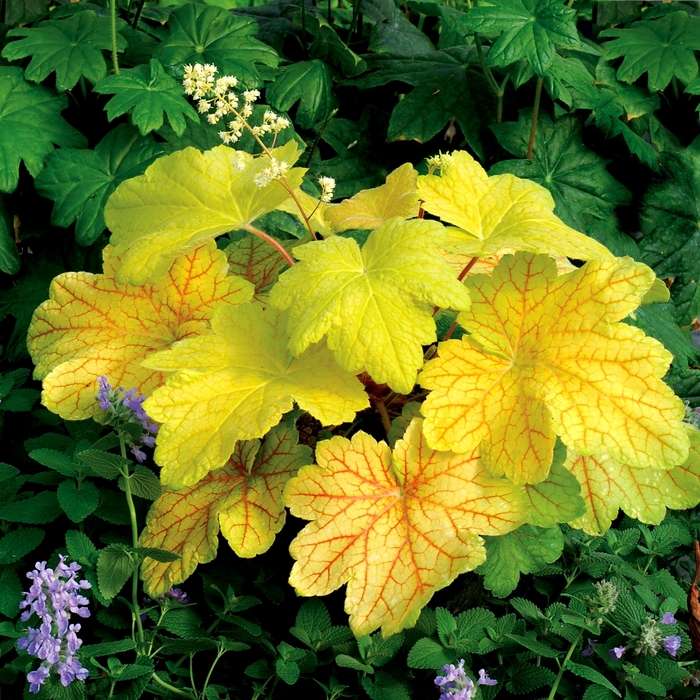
<point>502,211</point>
<point>185,199</point>
<point>487,264</point>
<point>91,325</point>
<point>644,494</point>
<point>235,385</point>
<point>369,209</point>
<point>375,304</point>
<point>394,528</point>
<point>243,499</point>
<point>255,260</point>
<point>546,357</point>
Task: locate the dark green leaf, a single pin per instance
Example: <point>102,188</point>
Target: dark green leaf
<point>385,687</point>
<point>184,623</point>
<point>428,653</point>
<point>72,47</point>
<point>30,125</point>
<point>148,94</point>
<point>19,11</point>
<point>104,464</point>
<point>288,671</point>
<point>78,503</point>
<point>533,645</point>
<point>9,256</point>
<point>17,543</point>
<point>115,565</point>
<point>144,483</point>
<point>329,47</point>
<point>80,181</point>
<point>648,684</point>
<point>106,648</point>
<point>7,471</point>
<point>531,30</point>
<point>524,678</point>
<point>10,593</point>
<point>590,674</point>
<point>393,32</point>
<point>35,510</point>
<point>581,186</point>
<point>53,459</point>
<point>81,548</point>
<point>663,48</point>
<point>345,661</point>
<point>310,83</point>
<point>202,34</point>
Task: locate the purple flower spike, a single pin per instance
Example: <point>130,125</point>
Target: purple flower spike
<point>484,678</point>
<point>617,652</point>
<point>454,684</point>
<point>672,644</point>
<point>589,649</point>
<point>668,619</point>
<point>54,596</point>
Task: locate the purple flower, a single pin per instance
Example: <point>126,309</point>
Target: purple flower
<point>617,652</point>
<point>668,619</point>
<point>672,644</point>
<point>454,684</point>
<point>484,678</point>
<point>589,649</point>
<point>54,596</point>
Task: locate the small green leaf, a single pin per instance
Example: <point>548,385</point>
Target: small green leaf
<point>53,459</point>
<point>35,510</point>
<point>81,548</point>
<point>144,484</point>
<point>72,47</point>
<point>161,555</point>
<point>115,565</point>
<point>148,94</point>
<point>288,671</point>
<point>590,674</point>
<point>533,645</point>
<point>78,502</point>
<point>345,661</point>
<point>428,653</point>
<point>104,464</point>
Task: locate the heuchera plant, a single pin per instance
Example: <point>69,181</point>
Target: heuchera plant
<point>538,407</point>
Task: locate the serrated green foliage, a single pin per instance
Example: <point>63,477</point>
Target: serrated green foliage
<point>663,48</point>
<point>78,500</point>
<point>532,29</point>
<point>17,543</point>
<point>72,47</point>
<point>149,95</point>
<point>525,678</point>
<point>115,565</point>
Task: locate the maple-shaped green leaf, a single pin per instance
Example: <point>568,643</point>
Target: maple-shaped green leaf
<point>148,94</point>
<point>311,84</point>
<point>205,34</point>
<point>80,181</point>
<point>670,241</point>
<point>531,30</point>
<point>446,86</point>
<point>71,46</point>
<point>30,125</point>
<point>576,177</point>
<point>663,48</point>
<point>523,551</point>
<point>644,494</point>
<point>557,499</point>
<point>186,198</point>
<point>375,304</point>
<point>235,384</point>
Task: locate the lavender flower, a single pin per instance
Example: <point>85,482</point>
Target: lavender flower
<point>127,407</point>
<point>54,596</point>
<point>484,678</point>
<point>456,685</point>
<point>617,652</point>
<point>589,649</point>
<point>668,619</point>
<point>672,644</point>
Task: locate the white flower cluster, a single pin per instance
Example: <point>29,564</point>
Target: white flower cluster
<point>327,187</point>
<point>442,161</point>
<point>274,171</point>
<point>217,100</point>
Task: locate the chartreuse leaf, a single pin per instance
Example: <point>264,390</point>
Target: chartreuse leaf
<point>523,551</point>
<point>72,47</point>
<point>202,34</point>
<point>185,199</point>
<point>375,304</point>
<point>644,494</point>
<point>91,326</point>
<point>502,211</point>
<point>243,499</point>
<point>368,209</point>
<point>255,260</point>
<point>9,255</point>
<point>531,30</point>
<point>80,181</point>
<point>663,48</point>
<point>30,125</point>
<point>311,84</point>
<point>148,94</point>
<point>670,234</point>
<point>546,356</point>
<point>580,185</point>
<point>395,528</point>
<point>235,385</point>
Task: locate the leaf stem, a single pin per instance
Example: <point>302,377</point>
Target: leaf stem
<point>172,688</point>
<point>219,654</point>
<point>113,16</point>
<point>486,70</point>
<point>276,244</point>
<point>562,668</point>
<point>135,543</point>
<point>386,420</point>
<point>137,15</point>
<point>535,115</point>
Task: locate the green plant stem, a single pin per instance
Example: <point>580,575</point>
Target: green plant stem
<point>562,668</point>
<point>535,115</point>
<point>172,688</point>
<point>499,100</point>
<point>211,670</point>
<point>137,15</point>
<point>317,140</point>
<point>486,70</point>
<point>113,16</point>
<point>276,244</point>
<point>135,543</point>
